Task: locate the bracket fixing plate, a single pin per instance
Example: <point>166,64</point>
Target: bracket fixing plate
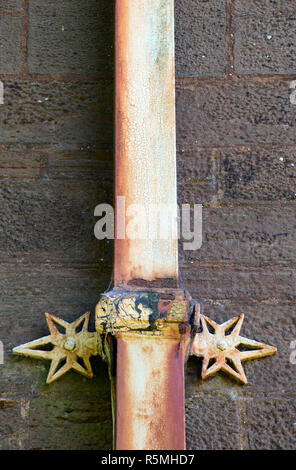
<point>222,348</point>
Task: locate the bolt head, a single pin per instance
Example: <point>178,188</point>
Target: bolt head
<point>222,345</point>
<point>70,344</point>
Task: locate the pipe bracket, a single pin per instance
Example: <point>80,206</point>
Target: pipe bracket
<point>71,349</point>
<point>222,348</point>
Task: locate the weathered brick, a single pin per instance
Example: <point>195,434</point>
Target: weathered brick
<point>240,283</point>
<point>265,44</point>
<point>10,50</point>
<point>212,423</point>
<point>51,220</point>
<point>15,164</point>
<point>200,38</point>
<point>75,407</point>
<point>29,291</point>
<point>13,423</point>
<point>63,37</point>
<point>9,6</point>
<point>259,174</point>
<point>271,323</point>
<point>241,113</point>
<point>73,113</point>
<point>256,234</point>
<point>196,173</point>
<point>271,424</point>
<point>263,7</point>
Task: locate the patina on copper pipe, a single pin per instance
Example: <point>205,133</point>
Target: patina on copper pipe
<point>146,312</point>
<point>145,132</point>
<point>153,337</point>
<point>150,384</point>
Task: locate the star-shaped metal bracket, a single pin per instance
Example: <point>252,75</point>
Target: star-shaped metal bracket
<point>222,348</point>
<point>69,350</point>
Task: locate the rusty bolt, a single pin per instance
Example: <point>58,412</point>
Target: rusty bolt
<point>222,345</point>
<point>70,344</point>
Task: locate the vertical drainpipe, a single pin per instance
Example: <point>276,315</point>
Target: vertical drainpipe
<point>146,311</point>
<point>147,320</point>
<point>145,137</point>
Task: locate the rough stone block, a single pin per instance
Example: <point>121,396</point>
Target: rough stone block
<point>243,284</point>
<point>51,219</point>
<point>241,113</point>
<point>14,416</point>
<point>265,44</point>
<point>263,7</point>
<point>10,6</point>
<point>21,377</point>
<point>65,37</point>
<point>10,51</point>
<point>200,38</point>
<point>256,234</point>
<point>259,174</point>
<point>63,112</point>
<point>271,424</point>
<point>212,423</point>
<point>196,175</point>
<point>73,414</point>
<point>14,164</point>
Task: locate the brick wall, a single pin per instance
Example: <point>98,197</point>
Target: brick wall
<point>56,134</point>
<point>236,152</point>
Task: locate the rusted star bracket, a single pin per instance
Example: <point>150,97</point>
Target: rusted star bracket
<point>146,313</point>
<point>74,347</point>
<point>222,348</point>
<point>152,313</point>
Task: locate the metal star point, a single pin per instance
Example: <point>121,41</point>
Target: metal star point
<point>76,342</point>
<point>222,348</point>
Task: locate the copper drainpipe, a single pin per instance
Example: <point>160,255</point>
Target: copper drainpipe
<point>146,311</point>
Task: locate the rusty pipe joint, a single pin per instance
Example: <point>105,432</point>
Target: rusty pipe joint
<point>150,313</point>
<point>153,329</point>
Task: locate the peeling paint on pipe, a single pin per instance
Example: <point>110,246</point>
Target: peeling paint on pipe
<point>145,311</point>
<point>153,336</point>
<point>150,399</point>
<point>145,132</point>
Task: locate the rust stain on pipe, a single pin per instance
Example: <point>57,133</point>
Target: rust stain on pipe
<point>153,338</point>
<point>145,312</point>
<point>150,394</point>
<point>145,149</point>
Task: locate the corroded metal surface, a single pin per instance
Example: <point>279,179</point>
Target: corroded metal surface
<point>222,348</point>
<point>76,342</point>
<point>149,316</point>
<point>145,146</point>
<point>150,393</point>
<point>151,313</point>
<point>153,331</point>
